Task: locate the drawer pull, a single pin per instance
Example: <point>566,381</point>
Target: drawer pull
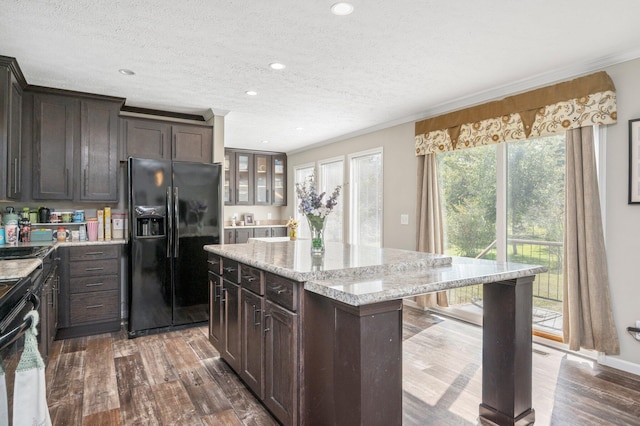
<point>229,269</point>
<point>94,253</point>
<point>278,290</point>
<point>266,329</point>
<point>249,278</point>
<point>94,306</point>
<point>213,262</point>
<point>94,284</point>
<point>94,269</point>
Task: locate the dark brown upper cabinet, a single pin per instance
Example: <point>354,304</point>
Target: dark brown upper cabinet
<point>165,140</point>
<point>56,130</point>
<point>75,147</point>
<point>255,178</point>
<point>98,151</point>
<point>11,85</point>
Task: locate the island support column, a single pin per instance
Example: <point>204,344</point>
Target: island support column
<point>507,353</point>
<point>353,363</point>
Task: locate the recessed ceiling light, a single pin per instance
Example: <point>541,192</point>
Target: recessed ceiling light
<point>342,8</point>
<point>299,128</point>
<point>251,92</point>
<point>125,71</point>
<point>277,66</point>
<point>265,141</point>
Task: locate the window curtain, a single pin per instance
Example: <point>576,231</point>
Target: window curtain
<point>572,104</point>
<point>587,317</point>
<point>574,107</point>
<point>430,232</point>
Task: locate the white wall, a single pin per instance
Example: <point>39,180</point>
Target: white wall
<point>400,184</point>
<point>622,220</point>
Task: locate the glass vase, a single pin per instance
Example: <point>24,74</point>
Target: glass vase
<point>316,226</point>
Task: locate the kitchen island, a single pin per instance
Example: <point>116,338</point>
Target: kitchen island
<point>319,339</point>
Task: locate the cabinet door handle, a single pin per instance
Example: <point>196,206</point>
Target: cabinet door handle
<point>267,196</point>
<point>94,284</point>
<point>93,269</point>
<point>216,292</point>
<point>256,323</point>
<point>93,253</point>
<point>223,291</point>
<point>84,178</point>
<point>266,329</point>
<point>15,175</point>
<point>94,306</point>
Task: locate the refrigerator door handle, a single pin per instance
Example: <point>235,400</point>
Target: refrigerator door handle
<point>169,223</point>
<point>176,246</point>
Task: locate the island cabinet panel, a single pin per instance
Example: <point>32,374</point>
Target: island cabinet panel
<point>216,307</point>
<point>281,369</point>
<point>255,325</point>
<point>232,345</point>
<point>89,290</point>
<point>252,371</point>
<point>216,312</point>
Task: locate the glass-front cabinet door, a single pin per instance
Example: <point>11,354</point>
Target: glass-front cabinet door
<point>244,178</point>
<point>262,175</point>
<point>229,178</point>
<point>279,182</point>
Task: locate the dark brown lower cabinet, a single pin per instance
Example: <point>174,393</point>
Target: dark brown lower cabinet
<point>281,369</point>
<point>252,371</point>
<point>231,301</point>
<point>216,312</point>
<point>89,290</point>
<point>255,327</point>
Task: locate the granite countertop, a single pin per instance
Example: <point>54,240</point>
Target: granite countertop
<point>292,259</point>
<point>359,275</point>
<point>255,226</point>
<point>462,271</point>
<point>18,268</point>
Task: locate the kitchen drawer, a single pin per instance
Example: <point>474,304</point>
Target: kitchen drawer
<point>282,291</point>
<point>91,284</point>
<point>251,279</point>
<point>215,264</point>
<point>96,267</point>
<point>231,270</point>
<point>94,307</point>
<point>94,252</point>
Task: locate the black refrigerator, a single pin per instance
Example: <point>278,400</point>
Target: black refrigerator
<point>174,210</point>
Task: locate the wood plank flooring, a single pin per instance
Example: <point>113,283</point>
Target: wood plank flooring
<point>178,378</point>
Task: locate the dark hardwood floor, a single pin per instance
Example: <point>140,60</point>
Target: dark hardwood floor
<point>177,378</point>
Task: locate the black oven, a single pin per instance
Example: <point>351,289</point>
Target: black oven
<point>18,296</point>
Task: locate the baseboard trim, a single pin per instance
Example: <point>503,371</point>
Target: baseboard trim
<point>619,364</point>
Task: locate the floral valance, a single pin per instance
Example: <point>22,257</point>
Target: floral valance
<point>577,103</point>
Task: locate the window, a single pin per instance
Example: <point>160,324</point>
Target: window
<point>301,173</point>
<point>330,175</point>
<point>365,189</point>
<point>506,202</point>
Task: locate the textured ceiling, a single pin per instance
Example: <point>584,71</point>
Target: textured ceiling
<point>388,62</point>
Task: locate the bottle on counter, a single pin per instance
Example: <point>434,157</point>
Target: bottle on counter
<point>10,221</point>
